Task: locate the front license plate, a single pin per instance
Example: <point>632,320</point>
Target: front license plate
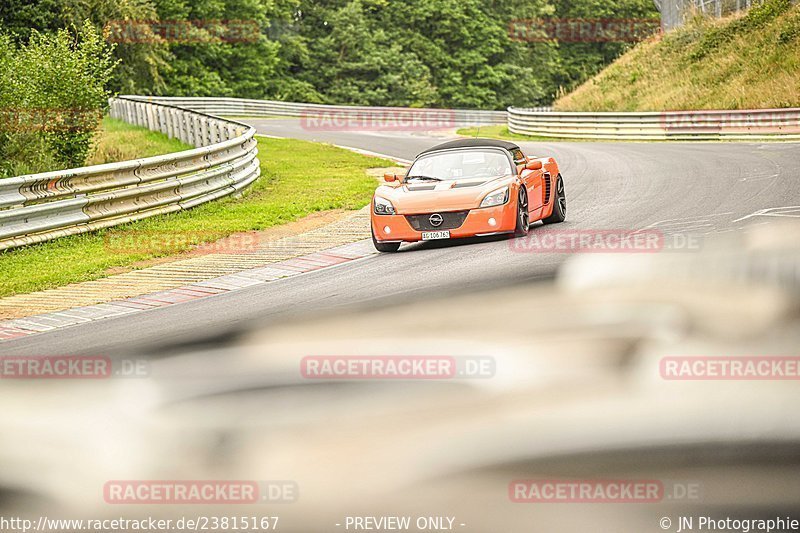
<point>433,235</point>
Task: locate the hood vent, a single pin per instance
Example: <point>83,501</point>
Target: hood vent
<point>422,188</point>
<point>468,184</point>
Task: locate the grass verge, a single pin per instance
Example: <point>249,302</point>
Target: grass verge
<point>298,178</point>
<point>120,141</point>
<point>114,141</point>
<point>501,132</point>
<point>740,62</point>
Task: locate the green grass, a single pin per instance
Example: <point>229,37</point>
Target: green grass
<point>120,141</point>
<point>502,133</point>
<point>114,141</point>
<point>740,62</point>
<point>298,178</point>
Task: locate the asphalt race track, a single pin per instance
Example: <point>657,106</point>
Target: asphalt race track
<point>696,188</point>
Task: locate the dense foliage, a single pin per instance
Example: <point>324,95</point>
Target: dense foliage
<point>443,53</point>
<point>61,59</point>
<point>53,90</point>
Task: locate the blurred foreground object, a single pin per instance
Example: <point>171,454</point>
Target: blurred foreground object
<point>575,394</point>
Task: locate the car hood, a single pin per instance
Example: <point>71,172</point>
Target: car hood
<point>427,196</point>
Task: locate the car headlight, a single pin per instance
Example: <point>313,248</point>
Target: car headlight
<point>383,206</point>
<point>498,197</point>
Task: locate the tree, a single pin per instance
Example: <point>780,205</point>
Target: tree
<point>53,91</point>
<point>439,53</point>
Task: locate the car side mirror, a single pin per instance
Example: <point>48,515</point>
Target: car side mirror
<point>533,165</point>
<point>390,177</point>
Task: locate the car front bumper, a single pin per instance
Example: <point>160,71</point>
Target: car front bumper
<point>478,222</point>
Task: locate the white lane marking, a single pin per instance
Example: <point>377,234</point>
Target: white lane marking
<point>698,224</point>
<point>759,178</point>
<point>679,223</point>
<point>351,148</point>
<point>689,220</point>
<point>375,154</point>
<point>789,211</point>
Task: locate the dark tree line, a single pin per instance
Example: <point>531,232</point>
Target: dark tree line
<point>440,53</point>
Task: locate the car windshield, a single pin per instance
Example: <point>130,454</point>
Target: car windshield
<point>460,164</point>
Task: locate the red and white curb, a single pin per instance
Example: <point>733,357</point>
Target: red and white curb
<point>31,325</point>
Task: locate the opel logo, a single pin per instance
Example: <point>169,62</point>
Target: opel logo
<point>436,220</point>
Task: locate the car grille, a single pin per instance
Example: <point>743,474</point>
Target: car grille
<point>450,220</point>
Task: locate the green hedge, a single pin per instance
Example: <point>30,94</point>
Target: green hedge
<point>53,92</point>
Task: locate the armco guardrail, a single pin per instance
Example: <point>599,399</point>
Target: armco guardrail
<point>241,107</point>
<point>758,124</point>
<point>41,207</point>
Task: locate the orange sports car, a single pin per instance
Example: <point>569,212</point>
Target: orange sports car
<point>467,188</point>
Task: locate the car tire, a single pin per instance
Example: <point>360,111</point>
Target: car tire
<point>523,216</point>
<point>384,247</point>
<point>559,213</point>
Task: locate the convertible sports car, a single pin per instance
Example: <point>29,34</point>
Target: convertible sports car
<point>467,188</point>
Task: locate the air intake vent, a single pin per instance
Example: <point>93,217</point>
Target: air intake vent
<point>547,185</point>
